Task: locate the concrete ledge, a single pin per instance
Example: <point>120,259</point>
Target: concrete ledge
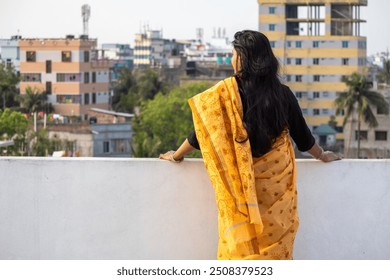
<point>99,208</point>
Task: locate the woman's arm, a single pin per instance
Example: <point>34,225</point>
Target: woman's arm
<point>178,156</point>
<point>319,153</point>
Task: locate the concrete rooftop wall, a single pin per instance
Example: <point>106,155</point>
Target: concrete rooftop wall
<point>95,208</point>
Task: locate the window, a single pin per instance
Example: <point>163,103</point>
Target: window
<point>68,77</point>
<point>31,56</point>
<point>93,77</point>
<point>316,112</point>
<point>298,78</point>
<point>288,78</point>
<point>31,77</point>
<point>288,61</point>
<point>288,44</point>
<point>48,66</point>
<point>304,111</point>
<point>106,147</point>
<point>339,129</point>
<point>325,111</point>
<point>316,61</point>
<point>325,94</point>
<point>380,135</point>
<point>66,56</point>
<point>272,43</point>
<point>316,44</point>
<point>68,99</point>
<point>94,98</point>
<point>316,94</point>
<point>298,44</point>
<point>86,98</point>
<point>298,94</point>
<point>316,78</point>
<point>119,145</point>
<point>86,56</point>
<point>271,27</point>
<point>361,44</point>
<point>345,44</point>
<point>298,61</point>
<point>48,87</point>
<point>381,110</point>
<point>86,77</point>
<point>345,61</point>
<point>363,135</point>
<point>272,10</point>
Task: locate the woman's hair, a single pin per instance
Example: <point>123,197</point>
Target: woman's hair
<point>262,93</point>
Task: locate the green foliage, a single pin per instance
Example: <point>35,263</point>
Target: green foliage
<point>8,81</point>
<point>34,100</point>
<point>384,74</point>
<point>13,126</point>
<point>359,97</point>
<point>165,121</point>
<point>43,145</point>
<point>134,87</point>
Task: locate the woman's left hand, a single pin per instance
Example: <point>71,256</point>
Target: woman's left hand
<point>328,156</point>
<point>169,156</point>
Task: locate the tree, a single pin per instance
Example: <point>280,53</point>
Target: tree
<point>8,81</point>
<point>165,121</point>
<point>34,101</point>
<point>134,87</point>
<point>384,74</point>
<point>13,126</point>
<point>360,99</point>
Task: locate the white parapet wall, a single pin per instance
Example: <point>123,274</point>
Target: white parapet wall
<point>95,208</point>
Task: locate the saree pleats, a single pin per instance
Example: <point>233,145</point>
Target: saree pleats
<point>256,197</point>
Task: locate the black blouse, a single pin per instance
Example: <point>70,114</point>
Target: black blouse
<point>298,128</point>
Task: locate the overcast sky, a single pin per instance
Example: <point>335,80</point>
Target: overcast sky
<point>116,21</point>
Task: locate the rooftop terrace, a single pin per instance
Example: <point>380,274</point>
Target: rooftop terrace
<point>95,208</point>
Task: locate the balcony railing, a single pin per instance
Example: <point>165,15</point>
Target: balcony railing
<point>95,208</point>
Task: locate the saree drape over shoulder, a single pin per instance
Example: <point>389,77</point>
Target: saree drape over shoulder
<point>256,197</point>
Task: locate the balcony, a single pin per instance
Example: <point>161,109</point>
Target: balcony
<point>99,208</point>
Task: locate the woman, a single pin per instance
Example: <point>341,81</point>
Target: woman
<point>243,126</point>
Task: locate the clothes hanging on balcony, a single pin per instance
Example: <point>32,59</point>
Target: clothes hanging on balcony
<point>256,197</point>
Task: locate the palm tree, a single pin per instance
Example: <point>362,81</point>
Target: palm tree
<point>360,99</point>
<point>33,101</point>
<point>384,74</point>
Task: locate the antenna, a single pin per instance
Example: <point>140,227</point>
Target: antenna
<point>199,34</point>
<point>85,13</point>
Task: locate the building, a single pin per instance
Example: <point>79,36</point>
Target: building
<point>121,56</point>
<point>149,49</point>
<point>9,52</point>
<point>73,73</point>
<point>108,134</point>
<point>317,42</point>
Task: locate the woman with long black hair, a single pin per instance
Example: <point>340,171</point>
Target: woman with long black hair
<point>243,126</point>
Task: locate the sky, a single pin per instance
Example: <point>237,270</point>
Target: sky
<point>117,21</point>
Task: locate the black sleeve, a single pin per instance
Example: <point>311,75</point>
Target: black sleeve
<point>193,140</point>
<point>299,130</point>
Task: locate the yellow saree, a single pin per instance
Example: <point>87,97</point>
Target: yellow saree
<point>256,197</point>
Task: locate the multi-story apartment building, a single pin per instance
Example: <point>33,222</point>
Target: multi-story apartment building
<point>317,42</point>
<point>149,49</point>
<point>70,70</point>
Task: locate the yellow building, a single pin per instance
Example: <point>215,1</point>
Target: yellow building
<point>69,70</point>
<point>317,42</point>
